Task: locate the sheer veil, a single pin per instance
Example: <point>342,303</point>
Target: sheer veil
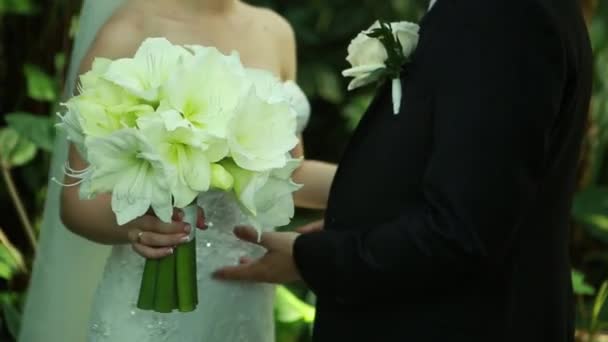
<point>67,268</point>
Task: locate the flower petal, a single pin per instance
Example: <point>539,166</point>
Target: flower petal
<point>131,195</point>
<point>262,133</point>
<point>362,70</point>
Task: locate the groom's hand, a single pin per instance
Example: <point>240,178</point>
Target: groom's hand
<point>276,266</point>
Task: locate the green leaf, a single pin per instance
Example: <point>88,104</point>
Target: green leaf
<point>579,285</point>
<point>11,261</point>
<point>5,271</point>
<point>21,7</point>
<point>600,300</point>
<point>590,208</point>
<point>23,153</point>
<point>290,308</point>
<point>8,297</point>
<point>9,138</point>
<point>39,130</point>
<point>12,318</point>
<point>40,86</point>
<point>14,149</point>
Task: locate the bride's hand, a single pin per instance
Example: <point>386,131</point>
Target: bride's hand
<point>154,239</point>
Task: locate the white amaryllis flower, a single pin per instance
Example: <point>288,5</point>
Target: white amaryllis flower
<point>206,90</point>
<point>145,73</point>
<point>246,184</point>
<point>70,124</point>
<point>99,116</point>
<point>368,57</point>
<point>128,166</point>
<point>220,178</point>
<point>274,201</point>
<point>183,147</point>
<point>262,133</point>
<point>94,77</point>
<point>267,86</point>
<point>102,107</point>
<point>267,197</point>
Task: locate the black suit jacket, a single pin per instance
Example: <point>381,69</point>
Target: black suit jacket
<point>449,221</point>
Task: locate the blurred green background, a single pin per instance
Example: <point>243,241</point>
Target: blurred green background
<point>36,40</point>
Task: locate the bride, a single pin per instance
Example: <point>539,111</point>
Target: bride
<point>63,304</point>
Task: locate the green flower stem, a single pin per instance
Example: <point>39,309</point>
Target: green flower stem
<point>187,296</point>
<point>147,290</point>
<point>170,283</point>
<point>165,299</point>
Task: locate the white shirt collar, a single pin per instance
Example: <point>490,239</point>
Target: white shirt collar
<point>431,4</point>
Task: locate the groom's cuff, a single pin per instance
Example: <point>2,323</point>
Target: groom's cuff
<point>314,255</point>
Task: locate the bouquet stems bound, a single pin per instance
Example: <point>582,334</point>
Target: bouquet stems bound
<point>169,284</point>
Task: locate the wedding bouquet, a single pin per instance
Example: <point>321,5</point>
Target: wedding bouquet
<point>173,122</point>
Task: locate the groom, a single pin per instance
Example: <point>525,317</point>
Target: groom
<point>449,221</point>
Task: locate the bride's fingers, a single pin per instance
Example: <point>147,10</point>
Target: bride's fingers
<point>152,239</point>
<point>178,215</point>
<point>153,224</point>
<point>200,219</point>
<point>150,252</point>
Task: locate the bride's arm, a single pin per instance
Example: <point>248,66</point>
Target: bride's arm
<point>94,219</point>
<point>316,176</point>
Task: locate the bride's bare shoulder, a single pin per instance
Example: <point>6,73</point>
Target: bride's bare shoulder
<point>121,35</point>
<point>273,22</point>
<point>276,26</point>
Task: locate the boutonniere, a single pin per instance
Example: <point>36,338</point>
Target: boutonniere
<point>380,53</point>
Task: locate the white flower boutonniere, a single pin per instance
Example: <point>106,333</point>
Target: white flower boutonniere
<point>382,52</point>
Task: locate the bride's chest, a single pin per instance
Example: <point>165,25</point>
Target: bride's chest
<point>256,49</point>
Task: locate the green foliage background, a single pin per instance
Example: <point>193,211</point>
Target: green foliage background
<point>36,38</point>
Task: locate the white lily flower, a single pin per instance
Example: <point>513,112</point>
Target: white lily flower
<point>128,166</point>
<point>145,74</point>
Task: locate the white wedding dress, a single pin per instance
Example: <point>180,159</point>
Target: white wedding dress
<point>227,311</point>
